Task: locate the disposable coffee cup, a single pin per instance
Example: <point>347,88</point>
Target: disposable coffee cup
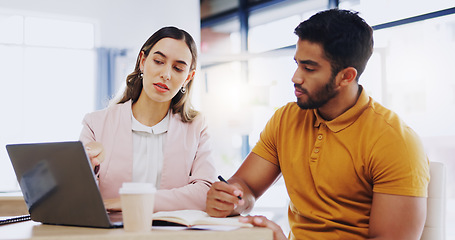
<point>137,200</point>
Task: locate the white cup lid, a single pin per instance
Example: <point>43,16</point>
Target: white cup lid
<point>137,188</point>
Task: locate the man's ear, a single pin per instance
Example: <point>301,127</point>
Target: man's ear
<point>347,75</point>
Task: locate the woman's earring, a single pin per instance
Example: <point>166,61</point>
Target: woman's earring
<point>183,90</point>
<point>141,75</point>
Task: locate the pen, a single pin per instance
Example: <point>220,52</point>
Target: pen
<point>222,179</point>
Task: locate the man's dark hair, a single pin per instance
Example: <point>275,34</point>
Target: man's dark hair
<point>346,38</point>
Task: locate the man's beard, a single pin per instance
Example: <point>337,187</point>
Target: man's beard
<point>321,96</point>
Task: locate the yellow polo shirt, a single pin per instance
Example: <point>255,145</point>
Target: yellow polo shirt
<point>332,168</point>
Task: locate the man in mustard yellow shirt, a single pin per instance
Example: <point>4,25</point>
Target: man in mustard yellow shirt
<point>353,169</point>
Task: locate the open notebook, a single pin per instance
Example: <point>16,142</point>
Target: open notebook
<point>58,184</point>
<point>197,220</point>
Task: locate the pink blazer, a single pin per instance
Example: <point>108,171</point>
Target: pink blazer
<point>187,173</point>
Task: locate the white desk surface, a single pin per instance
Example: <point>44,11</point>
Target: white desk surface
<point>35,230</point>
<point>12,204</point>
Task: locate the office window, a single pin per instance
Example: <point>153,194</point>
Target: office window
<point>259,39</point>
<point>47,73</point>
<point>222,103</point>
<point>223,39</point>
<point>213,7</point>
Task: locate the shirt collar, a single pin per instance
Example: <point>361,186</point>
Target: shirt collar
<point>159,128</point>
<point>347,118</point>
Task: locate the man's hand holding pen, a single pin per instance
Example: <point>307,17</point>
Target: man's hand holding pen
<point>224,198</point>
<point>223,180</point>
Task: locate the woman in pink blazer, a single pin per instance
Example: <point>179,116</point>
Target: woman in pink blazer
<point>152,134</point>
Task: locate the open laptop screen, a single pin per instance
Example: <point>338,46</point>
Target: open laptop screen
<point>58,183</point>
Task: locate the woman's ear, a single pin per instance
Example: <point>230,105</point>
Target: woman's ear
<point>347,75</point>
<point>142,58</point>
<point>190,77</point>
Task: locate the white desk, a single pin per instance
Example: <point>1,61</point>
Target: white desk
<point>12,204</point>
<point>35,230</point>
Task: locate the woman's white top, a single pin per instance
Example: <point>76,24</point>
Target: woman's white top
<point>148,150</point>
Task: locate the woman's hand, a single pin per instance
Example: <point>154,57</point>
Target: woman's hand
<point>261,221</point>
<point>95,152</point>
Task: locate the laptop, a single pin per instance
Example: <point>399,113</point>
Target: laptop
<point>59,186</point>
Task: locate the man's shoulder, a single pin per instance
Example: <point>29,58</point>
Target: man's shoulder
<point>385,115</point>
<point>388,123</point>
